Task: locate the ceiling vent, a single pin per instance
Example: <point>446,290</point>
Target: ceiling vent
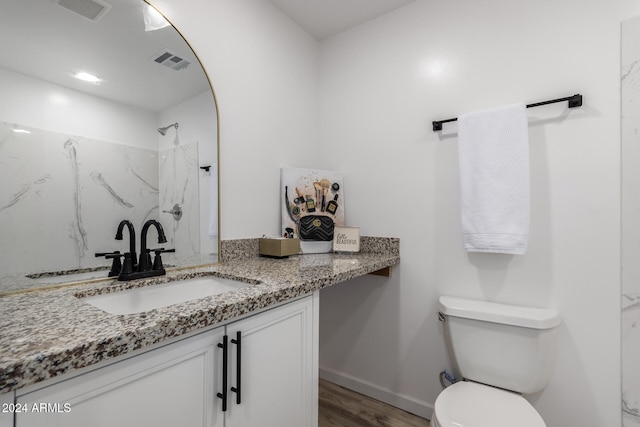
<point>93,10</point>
<point>171,60</point>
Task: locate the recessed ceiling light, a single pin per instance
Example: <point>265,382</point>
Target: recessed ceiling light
<point>21,131</point>
<point>86,77</point>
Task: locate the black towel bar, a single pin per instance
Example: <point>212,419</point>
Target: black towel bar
<point>574,101</point>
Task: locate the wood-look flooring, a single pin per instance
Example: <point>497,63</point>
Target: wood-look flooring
<point>341,407</point>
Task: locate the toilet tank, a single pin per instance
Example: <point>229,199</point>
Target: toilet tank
<point>507,346</point>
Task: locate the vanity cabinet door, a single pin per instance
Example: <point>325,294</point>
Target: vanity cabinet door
<point>175,385</point>
<point>278,367</point>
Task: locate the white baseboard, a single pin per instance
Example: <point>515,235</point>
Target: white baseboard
<point>406,403</point>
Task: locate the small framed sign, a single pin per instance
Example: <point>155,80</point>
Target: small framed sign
<point>346,239</point>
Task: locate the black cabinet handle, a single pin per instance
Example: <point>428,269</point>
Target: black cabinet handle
<point>238,342</point>
<point>223,345</point>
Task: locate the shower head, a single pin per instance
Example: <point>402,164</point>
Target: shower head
<point>163,131</point>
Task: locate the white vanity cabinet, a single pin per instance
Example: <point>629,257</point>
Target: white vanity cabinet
<point>271,380</point>
<point>174,385</point>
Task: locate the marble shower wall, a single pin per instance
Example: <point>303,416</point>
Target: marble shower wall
<point>179,172</point>
<point>630,131</point>
<point>62,197</point>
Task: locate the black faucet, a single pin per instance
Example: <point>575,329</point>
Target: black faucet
<point>145,268</point>
<point>145,254</point>
<point>132,239</point>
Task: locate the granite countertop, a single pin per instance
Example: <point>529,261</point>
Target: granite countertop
<point>50,332</point>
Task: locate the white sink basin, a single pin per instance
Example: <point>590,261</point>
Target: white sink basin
<point>147,298</point>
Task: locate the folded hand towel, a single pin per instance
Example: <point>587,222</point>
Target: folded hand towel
<point>493,155</point>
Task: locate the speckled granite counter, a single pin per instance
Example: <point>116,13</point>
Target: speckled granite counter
<point>47,333</point>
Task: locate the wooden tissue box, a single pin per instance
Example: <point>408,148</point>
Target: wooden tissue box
<point>279,247</point>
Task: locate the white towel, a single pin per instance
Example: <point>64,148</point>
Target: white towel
<point>493,155</point>
<point>213,201</point>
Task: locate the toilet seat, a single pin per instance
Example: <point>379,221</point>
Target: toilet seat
<point>469,404</point>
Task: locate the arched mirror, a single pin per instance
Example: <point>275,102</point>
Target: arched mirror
<point>77,157</point>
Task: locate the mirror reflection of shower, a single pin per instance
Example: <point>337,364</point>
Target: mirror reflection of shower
<point>163,131</point>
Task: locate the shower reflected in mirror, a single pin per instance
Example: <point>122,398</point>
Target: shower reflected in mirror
<point>163,130</point>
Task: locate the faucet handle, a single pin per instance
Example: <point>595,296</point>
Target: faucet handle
<point>162,250</point>
<point>176,211</point>
<point>107,254</point>
<point>157,261</point>
<point>116,265</point>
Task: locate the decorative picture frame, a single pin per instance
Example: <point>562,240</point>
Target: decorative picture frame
<point>312,205</point>
<point>346,239</point>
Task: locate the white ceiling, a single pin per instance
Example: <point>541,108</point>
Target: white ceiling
<point>41,39</point>
<point>325,18</point>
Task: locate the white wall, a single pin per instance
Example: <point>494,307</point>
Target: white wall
<point>378,94</point>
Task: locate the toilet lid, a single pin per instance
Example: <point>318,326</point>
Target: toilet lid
<point>469,404</point>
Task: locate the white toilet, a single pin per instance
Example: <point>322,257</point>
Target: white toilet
<point>501,351</point>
